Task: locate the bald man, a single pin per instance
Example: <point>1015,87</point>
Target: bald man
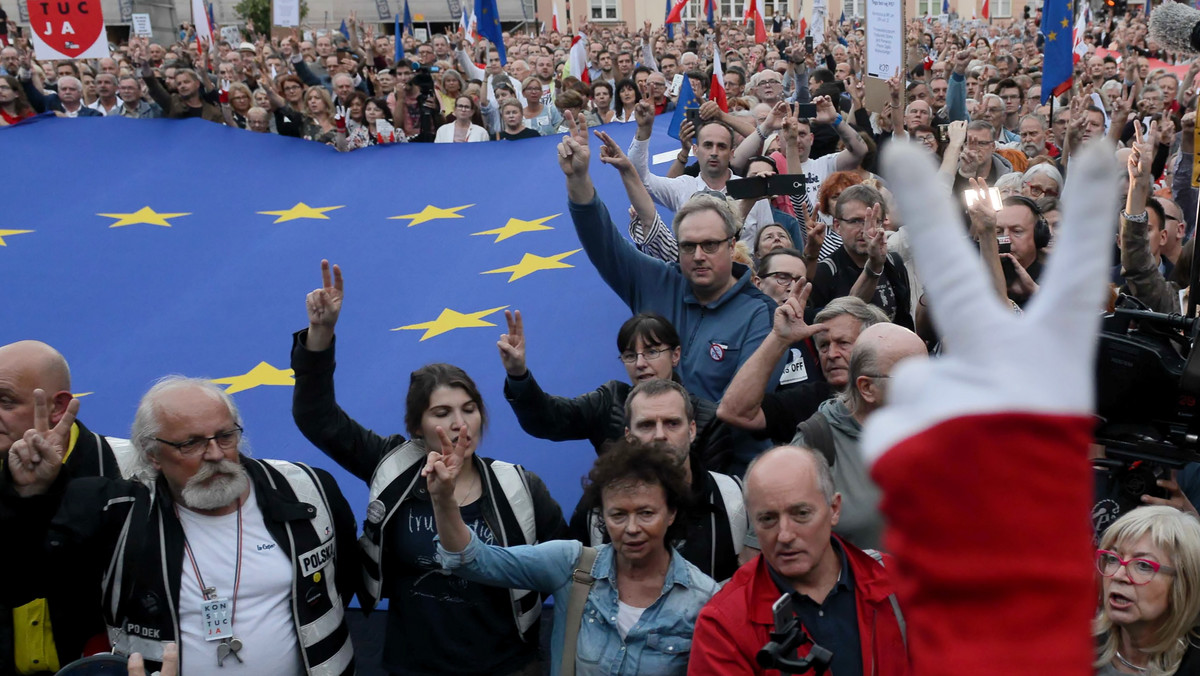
<point>841,595</point>
<point>834,429</point>
<point>41,645</point>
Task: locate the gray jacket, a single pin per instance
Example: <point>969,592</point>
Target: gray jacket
<point>861,522</point>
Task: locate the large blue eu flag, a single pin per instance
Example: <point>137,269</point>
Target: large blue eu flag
<point>141,248</point>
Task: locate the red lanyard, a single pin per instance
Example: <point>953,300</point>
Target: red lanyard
<point>237,571</point>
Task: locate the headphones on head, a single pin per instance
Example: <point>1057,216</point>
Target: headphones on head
<point>1041,229</point>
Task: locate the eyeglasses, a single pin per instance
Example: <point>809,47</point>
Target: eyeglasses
<point>853,222</point>
<point>709,246</point>
<point>976,143</point>
<point>783,278</point>
<point>650,355</point>
<point>1141,571</point>
<point>225,441</point>
<point>1038,192</point>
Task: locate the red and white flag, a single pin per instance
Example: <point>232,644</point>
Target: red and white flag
<point>803,27</point>
<point>754,12</point>
<point>716,90</point>
<point>985,12</point>
<point>577,59</point>
<point>468,26</point>
<point>1079,47</point>
<point>554,19</point>
<point>676,14</point>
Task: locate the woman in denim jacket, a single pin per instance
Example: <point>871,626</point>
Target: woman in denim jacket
<point>642,609</point>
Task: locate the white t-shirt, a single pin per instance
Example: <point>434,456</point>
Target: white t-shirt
<point>817,170</point>
<point>263,618</point>
<point>627,617</point>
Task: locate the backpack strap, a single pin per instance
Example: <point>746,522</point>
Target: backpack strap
<point>819,436</point>
<point>878,556</point>
<point>580,587</point>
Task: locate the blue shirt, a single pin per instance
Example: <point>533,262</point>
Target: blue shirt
<point>659,643</point>
<point>717,337</point>
<point>832,624</point>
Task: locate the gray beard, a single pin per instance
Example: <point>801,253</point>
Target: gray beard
<point>229,482</point>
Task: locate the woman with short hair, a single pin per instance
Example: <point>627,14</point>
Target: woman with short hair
<point>1149,563</point>
<point>642,606</point>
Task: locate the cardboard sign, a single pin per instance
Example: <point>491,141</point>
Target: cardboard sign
<point>70,29</point>
<point>232,35</point>
<point>141,25</point>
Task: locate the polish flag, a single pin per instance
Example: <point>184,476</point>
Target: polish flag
<point>1079,47</point>
<point>468,26</point>
<point>676,15</point>
<point>577,60</point>
<point>716,91</point>
<point>554,19</point>
<point>803,27</point>
<point>985,12</point>
<point>754,13</point>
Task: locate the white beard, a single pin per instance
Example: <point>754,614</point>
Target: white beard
<point>228,482</point>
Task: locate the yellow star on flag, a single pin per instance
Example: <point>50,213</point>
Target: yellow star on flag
<point>449,320</point>
<point>431,213</point>
<point>6,233</point>
<point>77,395</point>
<point>1052,36</point>
<point>531,263</point>
<point>144,215</point>
<point>1064,23</point>
<point>301,210</point>
<point>516,226</point>
<point>263,374</point>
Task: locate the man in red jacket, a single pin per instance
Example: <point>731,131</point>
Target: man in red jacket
<point>840,594</point>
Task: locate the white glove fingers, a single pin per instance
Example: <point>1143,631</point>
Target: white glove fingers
<point>1075,280</point>
<point>964,306</point>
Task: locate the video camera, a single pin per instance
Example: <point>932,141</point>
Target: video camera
<point>1147,387</point>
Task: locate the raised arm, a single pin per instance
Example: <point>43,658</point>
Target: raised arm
<point>868,280</point>
<point>741,405</point>
<point>314,403</point>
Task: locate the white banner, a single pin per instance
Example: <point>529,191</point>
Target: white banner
<point>287,13</point>
<point>885,38</point>
<point>200,21</point>
<point>141,25</point>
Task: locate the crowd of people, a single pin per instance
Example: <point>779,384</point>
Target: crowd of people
<point>734,467</point>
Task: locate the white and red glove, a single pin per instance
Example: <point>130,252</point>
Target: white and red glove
<point>340,121</point>
<point>982,454</point>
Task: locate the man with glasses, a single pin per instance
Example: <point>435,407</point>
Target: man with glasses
<point>238,561</point>
<point>862,266</point>
<point>994,112</point>
<point>1013,97</point>
<point>779,272</point>
<point>706,296</point>
<point>767,86</point>
<point>978,157</point>
<point>658,93</point>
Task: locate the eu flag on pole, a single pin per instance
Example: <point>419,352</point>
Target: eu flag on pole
<point>710,8</point>
<point>163,279</point>
<point>343,30</point>
<point>670,26</point>
<point>408,23</point>
<point>489,26</point>
<point>1058,63</point>
<point>946,7</point>
<point>687,99</point>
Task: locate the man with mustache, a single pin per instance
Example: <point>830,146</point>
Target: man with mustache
<point>246,564</point>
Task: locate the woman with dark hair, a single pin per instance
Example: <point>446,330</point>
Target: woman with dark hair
<point>649,347</point>
<point>642,606</point>
<point>467,126</point>
<point>627,97</point>
<point>429,612</point>
<point>602,101</point>
<point>377,128</point>
<point>14,107</point>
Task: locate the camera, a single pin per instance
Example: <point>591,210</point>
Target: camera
<point>1147,405</point>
